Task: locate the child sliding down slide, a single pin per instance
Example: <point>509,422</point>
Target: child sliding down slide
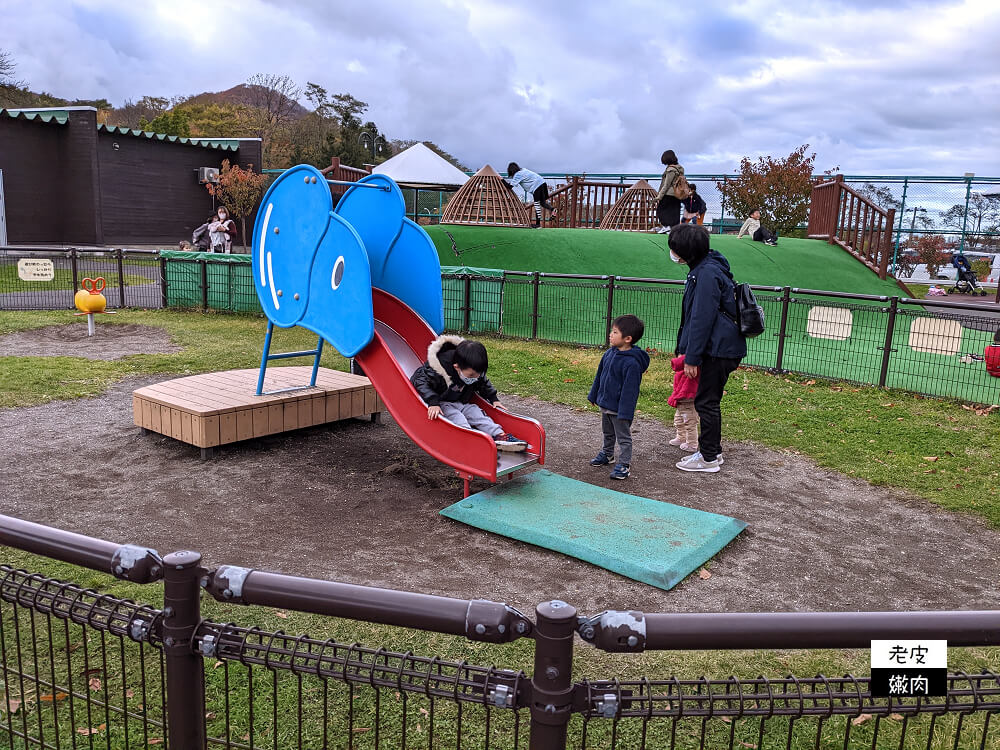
<point>454,373</point>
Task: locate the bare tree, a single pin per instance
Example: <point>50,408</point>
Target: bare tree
<point>11,90</point>
<point>272,103</point>
<point>131,113</point>
<point>276,99</point>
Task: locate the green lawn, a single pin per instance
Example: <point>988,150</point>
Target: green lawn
<point>883,437</point>
<point>805,264</point>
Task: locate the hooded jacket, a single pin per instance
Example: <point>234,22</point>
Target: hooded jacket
<point>437,381</point>
<point>709,314</point>
<point>685,388</point>
<point>616,385</point>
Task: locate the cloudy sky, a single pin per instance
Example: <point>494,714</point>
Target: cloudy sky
<point>875,86</point>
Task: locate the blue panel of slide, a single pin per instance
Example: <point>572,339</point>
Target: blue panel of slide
<point>376,215</point>
<point>292,219</point>
<point>340,290</point>
<point>412,272</point>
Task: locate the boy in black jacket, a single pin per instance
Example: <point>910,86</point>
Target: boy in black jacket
<point>616,390</point>
<point>454,373</point>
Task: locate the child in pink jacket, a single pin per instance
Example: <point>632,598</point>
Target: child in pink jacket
<point>686,418</point>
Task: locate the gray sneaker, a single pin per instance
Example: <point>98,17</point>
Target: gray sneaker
<point>697,463</point>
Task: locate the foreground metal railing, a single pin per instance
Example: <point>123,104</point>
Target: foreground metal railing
<point>86,669</point>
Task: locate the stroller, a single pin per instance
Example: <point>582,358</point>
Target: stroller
<point>966,282</point>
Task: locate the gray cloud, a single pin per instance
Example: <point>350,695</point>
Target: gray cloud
<point>904,87</point>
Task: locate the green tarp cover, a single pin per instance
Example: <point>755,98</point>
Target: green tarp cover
<point>648,540</point>
<point>485,298</point>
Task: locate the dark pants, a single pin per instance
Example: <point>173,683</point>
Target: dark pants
<point>668,211</point>
<point>764,235</point>
<point>541,195</point>
<point>620,430</point>
<point>712,379</point>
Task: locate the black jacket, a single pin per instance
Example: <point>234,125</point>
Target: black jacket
<point>437,381</point>
<point>694,204</point>
<point>708,313</point>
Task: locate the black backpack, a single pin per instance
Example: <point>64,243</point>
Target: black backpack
<point>749,313</point>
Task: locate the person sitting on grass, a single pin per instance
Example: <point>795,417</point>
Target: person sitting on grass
<point>616,390</point>
<point>757,233</point>
<point>454,373</point>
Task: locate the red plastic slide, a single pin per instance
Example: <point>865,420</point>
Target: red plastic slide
<point>398,348</point>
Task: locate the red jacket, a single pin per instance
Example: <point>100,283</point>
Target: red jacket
<point>993,360</point>
<point>684,387</point>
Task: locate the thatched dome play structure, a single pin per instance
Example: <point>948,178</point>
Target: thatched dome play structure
<point>485,200</point>
<point>634,211</point>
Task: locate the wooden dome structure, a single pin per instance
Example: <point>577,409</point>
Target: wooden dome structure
<point>634,211</point>
<point>485,200</point>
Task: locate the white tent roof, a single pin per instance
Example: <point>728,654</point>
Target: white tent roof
<point>420,167</point>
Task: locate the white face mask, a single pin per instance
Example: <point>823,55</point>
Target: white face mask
<point>468,381</point>
<point>675,257</point>
<point>222,217</point>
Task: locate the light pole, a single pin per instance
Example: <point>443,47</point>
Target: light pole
<point>913,222</point>
<point>374,143</point>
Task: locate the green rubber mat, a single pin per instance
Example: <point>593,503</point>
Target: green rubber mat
<point>647,540</point>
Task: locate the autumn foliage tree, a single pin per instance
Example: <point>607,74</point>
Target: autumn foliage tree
<point>780,188</point>
<point>931,250</point>
<point>239,190</point>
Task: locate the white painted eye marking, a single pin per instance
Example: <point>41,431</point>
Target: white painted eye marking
<point>338,273</point>
<point>270,283</point>
<point>263,238</point>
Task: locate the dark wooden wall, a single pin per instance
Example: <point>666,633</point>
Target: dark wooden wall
<point>69,184</point>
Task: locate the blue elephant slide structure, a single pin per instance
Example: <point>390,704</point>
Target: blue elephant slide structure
<point>368,280</point>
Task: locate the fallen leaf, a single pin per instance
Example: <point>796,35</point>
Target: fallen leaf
<point>217,665</point>
<point>931,471</point>
<point>94,684</point>
<point>860,719</point>
<point>91,730</point>
<point>574,361</point>
<point>896,717</point>
<point>209,715</point>
<point>726,719</point>
<point>245,737</point>
<point>130,693</point>
<point>13,705</point>
<point>281,614</point>
<point>364,729</point>
<point>424,712</point>
<point>704,574</point>
<point>158,741</point>
<point>810,382</point>
<point>49,698</point>
<point>747,744</point>
<point>930,458</point>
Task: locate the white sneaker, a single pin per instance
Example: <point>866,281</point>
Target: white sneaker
<point>696,463</point>
<point>663,230</point>
<point>697,456</point>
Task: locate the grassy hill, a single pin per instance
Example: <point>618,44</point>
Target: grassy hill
<point>807,264</point>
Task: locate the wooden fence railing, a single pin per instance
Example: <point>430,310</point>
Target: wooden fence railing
<point>583,203</point>
<point>338,171</point>
<point>846,218</point>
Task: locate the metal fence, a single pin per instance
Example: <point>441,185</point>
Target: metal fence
<point>133,277</point>
<point>85,669</point>
<point>927,346</point>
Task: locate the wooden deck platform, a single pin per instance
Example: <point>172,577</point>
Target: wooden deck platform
<point>217,408</point>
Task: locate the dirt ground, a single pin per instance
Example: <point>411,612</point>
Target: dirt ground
<point>358,502</point>
<point>108,342</point>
